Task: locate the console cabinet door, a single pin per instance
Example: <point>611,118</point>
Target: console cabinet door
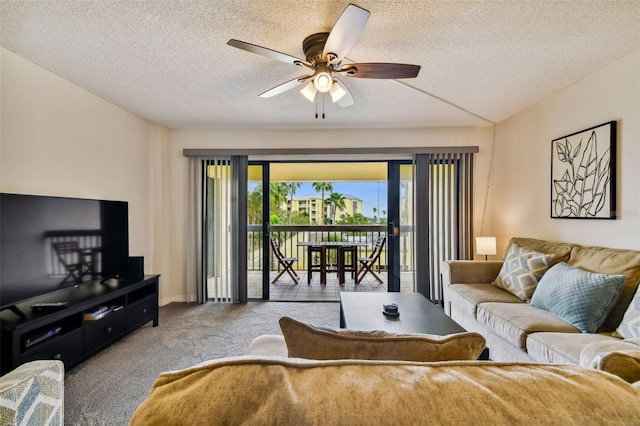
<point>66,348</point>
<point>101,332</point>
<point>142,311</point>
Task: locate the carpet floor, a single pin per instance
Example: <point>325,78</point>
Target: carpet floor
<point>107,388</point>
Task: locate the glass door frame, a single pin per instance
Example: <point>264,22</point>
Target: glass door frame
<point>393,223</point>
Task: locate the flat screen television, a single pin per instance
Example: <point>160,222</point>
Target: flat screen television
<point>50,243</point>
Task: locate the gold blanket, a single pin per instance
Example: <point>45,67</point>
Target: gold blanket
<point>272,390</point>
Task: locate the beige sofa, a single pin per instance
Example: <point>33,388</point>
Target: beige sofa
<point>268,389</point>
<point>268,386</point>
<point>515,330</point>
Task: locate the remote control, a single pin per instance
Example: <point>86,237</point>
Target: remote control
<point>49,306</point>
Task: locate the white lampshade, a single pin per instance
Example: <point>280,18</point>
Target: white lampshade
<point>309,91</point>
<point>323,81</point>
<point>486,245</point>
<point>337,92</point>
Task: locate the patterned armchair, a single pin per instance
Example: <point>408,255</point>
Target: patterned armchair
<point>33,394</point>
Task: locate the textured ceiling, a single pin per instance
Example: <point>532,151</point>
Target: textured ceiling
<point>168,61</point>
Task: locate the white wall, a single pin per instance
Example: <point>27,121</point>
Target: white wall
<point>519,200</point>
<point>58,139</point>
<point>295,139</point>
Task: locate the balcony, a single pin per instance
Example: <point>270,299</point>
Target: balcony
<point>290,237</point>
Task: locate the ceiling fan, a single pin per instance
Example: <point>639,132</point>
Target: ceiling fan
<point>324,54</point>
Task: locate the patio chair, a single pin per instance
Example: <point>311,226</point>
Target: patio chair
<point>367,263</point>
<point>285,262</point>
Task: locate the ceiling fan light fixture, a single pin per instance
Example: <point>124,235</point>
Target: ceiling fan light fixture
<point>323,81</point>
<point>337,92</point>
<point>309,91</point>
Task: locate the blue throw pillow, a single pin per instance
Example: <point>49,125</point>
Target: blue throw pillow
<point>580,297</point>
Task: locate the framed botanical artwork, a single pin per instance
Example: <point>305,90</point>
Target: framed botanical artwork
<point>583,174</point>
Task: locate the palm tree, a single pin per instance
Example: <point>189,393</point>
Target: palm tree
<point>254,208</point>
<point>335,201</point>
<point>322,187</point>
<point>278,196</point>
<point>375,217</point>
<point>291,189</point>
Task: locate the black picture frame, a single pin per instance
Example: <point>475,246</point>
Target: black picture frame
<point>583,174</point>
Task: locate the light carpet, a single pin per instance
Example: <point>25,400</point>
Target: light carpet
<point>106,389</point>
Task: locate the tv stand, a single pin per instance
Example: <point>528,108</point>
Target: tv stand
<point>97,316</point>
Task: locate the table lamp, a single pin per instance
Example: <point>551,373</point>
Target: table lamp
<point>486,246</point>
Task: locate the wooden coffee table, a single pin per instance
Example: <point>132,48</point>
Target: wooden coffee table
<point>363,311</point>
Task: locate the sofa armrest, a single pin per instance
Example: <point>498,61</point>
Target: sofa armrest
<point>624,364</point>
<point>470,271</point>
<point>268,345</point>
<point>33,393</point>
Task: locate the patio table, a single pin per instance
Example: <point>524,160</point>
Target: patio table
<point>323,247</point>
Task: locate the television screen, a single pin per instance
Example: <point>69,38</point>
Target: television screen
<point>50,243</point>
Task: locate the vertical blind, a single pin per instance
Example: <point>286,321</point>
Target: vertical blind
<point>447,185</point>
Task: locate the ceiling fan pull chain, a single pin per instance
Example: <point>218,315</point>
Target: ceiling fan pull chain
<point>316,107</point>
<point>323,106</point>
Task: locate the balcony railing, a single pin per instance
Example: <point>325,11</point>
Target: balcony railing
<point>290,236</point>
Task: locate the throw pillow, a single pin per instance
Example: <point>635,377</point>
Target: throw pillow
<point>630,325</point>
<point>522,270</point>
<point>580,297</point>
<point>306,341</point>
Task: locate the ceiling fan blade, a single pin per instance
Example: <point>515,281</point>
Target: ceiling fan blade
<point>346,99</point>
<point>380,70</point>
<point>291,84</point>
<point>269,53</point>
<point>345,33</point>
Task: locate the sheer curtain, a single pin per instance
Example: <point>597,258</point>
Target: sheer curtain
<point>444,212</point>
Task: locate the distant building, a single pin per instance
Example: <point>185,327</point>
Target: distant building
<point>311,205</point>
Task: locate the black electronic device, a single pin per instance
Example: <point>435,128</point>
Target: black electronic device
<point>51,243</point>
<point>41,337</point>
<point>391,310</point>
<point>135,270</point>
<point>49,306</point>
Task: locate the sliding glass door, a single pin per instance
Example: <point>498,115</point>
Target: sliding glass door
<point>307,205</point>
<point>327,218</point>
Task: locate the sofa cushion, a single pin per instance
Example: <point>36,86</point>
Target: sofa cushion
<point>306,341</point>
<point>630,325</point>
<point>561,250</point>
<point>467,297</point>
<point>521,271</point>
<point>514,321</point>
<point>563,348</point>
<point>580,297</point>
<point>611,261</point>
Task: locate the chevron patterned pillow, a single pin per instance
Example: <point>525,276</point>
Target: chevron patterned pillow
<point>33,394</point>
<point>521,271</point>
<point>630,325</point>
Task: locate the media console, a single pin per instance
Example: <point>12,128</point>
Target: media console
<point>97,315</point>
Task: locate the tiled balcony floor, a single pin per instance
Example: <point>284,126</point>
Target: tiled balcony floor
<point>286,290</point>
